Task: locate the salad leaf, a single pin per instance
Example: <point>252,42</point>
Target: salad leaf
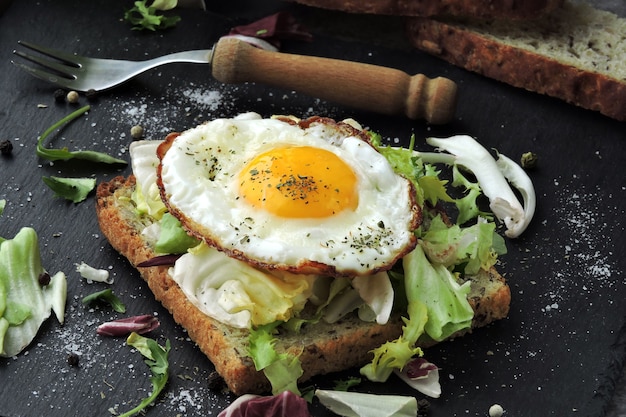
<point>164,4</point>
<point>141,16</point>
<point>356,404</point>
<point>73,189</point>
<point>122,327</point>
<point>65,155</point>
<point>236,293</point>
<point>454,245</point>
<point>467,205</point>
<point>436,287</point>
<point>422,376</point>
<point>144,160</point>
<point>24,303</point>
<point>281,369</point>
<point>173,238</point>
<point>156,357</point>
<point>397,353</point>
<point>492,176</point>
<point>106,296</point>
<point>283,404</point>
<point>346,384</point>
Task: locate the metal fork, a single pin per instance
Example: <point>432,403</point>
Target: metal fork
<point>359,85</point>
<point>80,73</point>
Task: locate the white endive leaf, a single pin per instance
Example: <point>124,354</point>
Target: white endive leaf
<point>22,292</point>
<point>377,292</point>
<point>356,404</point>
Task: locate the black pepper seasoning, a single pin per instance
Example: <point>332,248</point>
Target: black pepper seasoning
<point>423,408</point>
<point>6,147</point>
<point>59,95</point>
<point>91,94</point>
<point>44,279</point>
<point>73,359</point>
<point>215,381</point>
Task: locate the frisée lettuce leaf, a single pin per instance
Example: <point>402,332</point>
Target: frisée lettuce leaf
<point>437,308</point>
<point>476,246</point>
<point>281,369</point>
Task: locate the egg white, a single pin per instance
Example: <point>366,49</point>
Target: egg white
<point>199,179</point>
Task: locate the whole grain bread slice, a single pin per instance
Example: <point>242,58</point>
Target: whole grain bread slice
<point>483,9</point>
<point>323,347</point>
<point>576,53</point>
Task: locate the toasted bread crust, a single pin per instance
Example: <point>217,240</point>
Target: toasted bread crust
<point>484,9</point>
<point>514,63</point>
<point>323,348</point>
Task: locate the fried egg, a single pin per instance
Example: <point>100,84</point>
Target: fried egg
<point>310,197</point>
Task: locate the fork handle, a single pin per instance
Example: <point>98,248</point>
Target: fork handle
<point>359,85</point>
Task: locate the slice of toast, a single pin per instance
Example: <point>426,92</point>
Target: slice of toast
<point>483,9</point>
<point>323,347</point>
<point>575,53</point>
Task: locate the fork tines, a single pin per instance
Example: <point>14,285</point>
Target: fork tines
<point>60,69</point>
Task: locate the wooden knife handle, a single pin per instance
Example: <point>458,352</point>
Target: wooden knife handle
<point>363,86</point>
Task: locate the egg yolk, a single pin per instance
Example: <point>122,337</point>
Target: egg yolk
<point>299,182</point>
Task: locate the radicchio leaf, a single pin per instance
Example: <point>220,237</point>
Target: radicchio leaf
<point>274,28</point>
<point>122,327</point>
<point>284,404</point>
<point>422,376</point>
<point>419,368</point>
<point>159,261</point>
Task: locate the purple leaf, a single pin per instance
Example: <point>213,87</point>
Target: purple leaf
<point>274,28</point>
<point>159,261</point>
<point>284,404</point>
<point>122,327</point>
<point>419,368</point>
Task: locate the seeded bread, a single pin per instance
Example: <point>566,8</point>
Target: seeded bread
<point>576,53</point>
<point>324,347</point>
<point>484,9</point>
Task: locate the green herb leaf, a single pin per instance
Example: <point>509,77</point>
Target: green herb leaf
<point>73,189</point>
<point>156,357</point>
<point>106,296</point>
<point>346,384</point>
<point>142,16</point>
<point>65,155</point>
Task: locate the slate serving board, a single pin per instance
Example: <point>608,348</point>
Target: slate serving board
<point>561,350</point>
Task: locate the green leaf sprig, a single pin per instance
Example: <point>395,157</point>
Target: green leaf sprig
<point>106,296</point>
<point>64,154</point>
<point>156,357</point>
<point>74,189</point>
<point>142,16</point>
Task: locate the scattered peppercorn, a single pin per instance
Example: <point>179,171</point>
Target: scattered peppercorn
<point>91,94</point>
<point>44,279</point>
<point>423,408</point>
<point>215,381</point>
<point>136,132</point>
<point>72,97</point>
<point>73,359</point>
<point>59,95</point>
<point>529,160</point>
<point>6,147</point>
